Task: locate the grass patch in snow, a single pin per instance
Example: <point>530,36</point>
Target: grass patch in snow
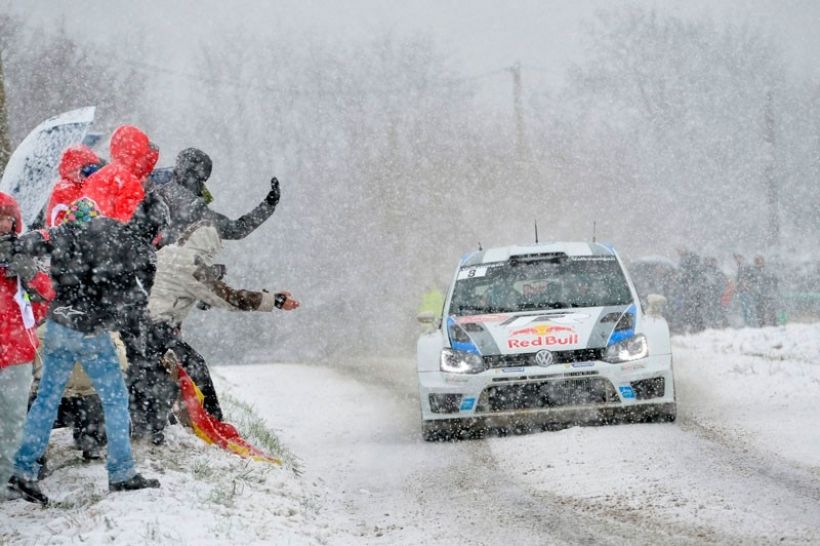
<point>254,429</point>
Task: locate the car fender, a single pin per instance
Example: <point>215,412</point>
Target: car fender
<point>428,351</point>
<point>656,331</point>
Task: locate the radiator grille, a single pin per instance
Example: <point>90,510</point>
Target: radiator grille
<point>528,359</point>
<point>583,391</point>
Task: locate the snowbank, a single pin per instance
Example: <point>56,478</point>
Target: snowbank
<point>762,383</point>
<point>208,496</point>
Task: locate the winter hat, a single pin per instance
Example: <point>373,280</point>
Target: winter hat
<point>132,148</point>
<point>193,167</point>
<point>81,211</point>
<point>74,163</point>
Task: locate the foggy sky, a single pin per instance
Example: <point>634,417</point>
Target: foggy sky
<point>479,39</point>
<point>481,35</point>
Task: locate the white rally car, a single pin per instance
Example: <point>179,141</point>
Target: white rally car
<point>549,332</point>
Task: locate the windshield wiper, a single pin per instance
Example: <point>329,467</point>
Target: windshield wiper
<point>542,305</point>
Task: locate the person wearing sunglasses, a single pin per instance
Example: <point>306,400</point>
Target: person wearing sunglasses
<point>188,200</point>
<point>76,164</point>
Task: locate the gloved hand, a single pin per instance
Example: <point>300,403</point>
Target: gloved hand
<point>6,249</point>
<point>288,303</point>
<point>22,266</point>
<point>272,198</point>
<point>280,300</point>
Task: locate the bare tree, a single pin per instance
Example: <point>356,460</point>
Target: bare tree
<point>5,145</point>
<point>6,34</point>
<point>49,74</point>
<point>672,112</point>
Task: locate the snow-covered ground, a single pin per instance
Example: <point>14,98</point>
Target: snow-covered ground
<point>741,465</point>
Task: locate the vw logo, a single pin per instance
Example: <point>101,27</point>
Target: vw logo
<point>544,358</point>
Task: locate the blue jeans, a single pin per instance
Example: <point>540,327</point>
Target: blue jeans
<point>63,348</point>
<point>15,384</point>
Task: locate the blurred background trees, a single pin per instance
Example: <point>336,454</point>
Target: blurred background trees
<point>49,74</point>
<point>391,168</point>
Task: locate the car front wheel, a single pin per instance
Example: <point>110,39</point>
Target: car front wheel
<point>664,413</point>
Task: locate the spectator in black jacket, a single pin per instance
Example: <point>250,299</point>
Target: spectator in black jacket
<point>188,198</point>
<point>102,271</point>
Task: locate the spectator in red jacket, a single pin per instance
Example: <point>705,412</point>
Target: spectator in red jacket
<point>18,341</point>
<point>117,189</point>
<point>76,164</point>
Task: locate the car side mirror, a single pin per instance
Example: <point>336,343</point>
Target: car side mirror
<point>655,304</point>
<point>427,318</point>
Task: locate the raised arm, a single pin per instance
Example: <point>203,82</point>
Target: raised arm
<point>245,224</point>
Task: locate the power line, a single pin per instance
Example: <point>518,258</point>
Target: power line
<point>441,82</point>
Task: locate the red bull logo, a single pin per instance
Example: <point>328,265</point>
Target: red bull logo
<point>545,335</point>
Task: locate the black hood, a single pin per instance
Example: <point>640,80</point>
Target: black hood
<point>192,169</point>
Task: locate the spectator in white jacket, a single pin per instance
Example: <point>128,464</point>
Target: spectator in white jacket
<point>186,277</point>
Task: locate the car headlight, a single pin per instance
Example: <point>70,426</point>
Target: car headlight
<point>453,361</point>
<point>629,349</point>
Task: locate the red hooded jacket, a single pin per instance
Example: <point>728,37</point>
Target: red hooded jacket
<point>70,186</point>
<point>17,342</point>
<point>117,189</point>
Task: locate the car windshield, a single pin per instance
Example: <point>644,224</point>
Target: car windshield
<point>559,283</point>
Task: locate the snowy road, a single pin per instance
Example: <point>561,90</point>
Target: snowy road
<point>742,465</point>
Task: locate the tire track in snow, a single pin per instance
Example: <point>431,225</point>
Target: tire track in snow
<point>462,493</point>
<point>742,454</point>
<point>800,480</point>
<point>790,490</point>
<point>484,494</point>
<point>528,516</point>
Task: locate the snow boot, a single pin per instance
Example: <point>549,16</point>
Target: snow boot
<point>92,454</point>
<point>158,438</point>
<point>28,489</point>
<point>44,470</point>
<point>134,483</point>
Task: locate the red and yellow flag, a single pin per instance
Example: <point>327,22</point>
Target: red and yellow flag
<point>213,431</point>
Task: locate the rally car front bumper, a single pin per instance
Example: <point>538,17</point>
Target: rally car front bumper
<point>561,392</point>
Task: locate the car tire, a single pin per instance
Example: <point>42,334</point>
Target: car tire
<point>432,432</point>
<point>664,413</point>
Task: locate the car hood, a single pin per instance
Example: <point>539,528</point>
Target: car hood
<point>531,331</point>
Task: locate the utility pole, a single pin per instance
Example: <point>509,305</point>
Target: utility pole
<point>772,200</point>
<point>518,111</point>
<point>5,141</point>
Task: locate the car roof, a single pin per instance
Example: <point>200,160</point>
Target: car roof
<point>504,253</point>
